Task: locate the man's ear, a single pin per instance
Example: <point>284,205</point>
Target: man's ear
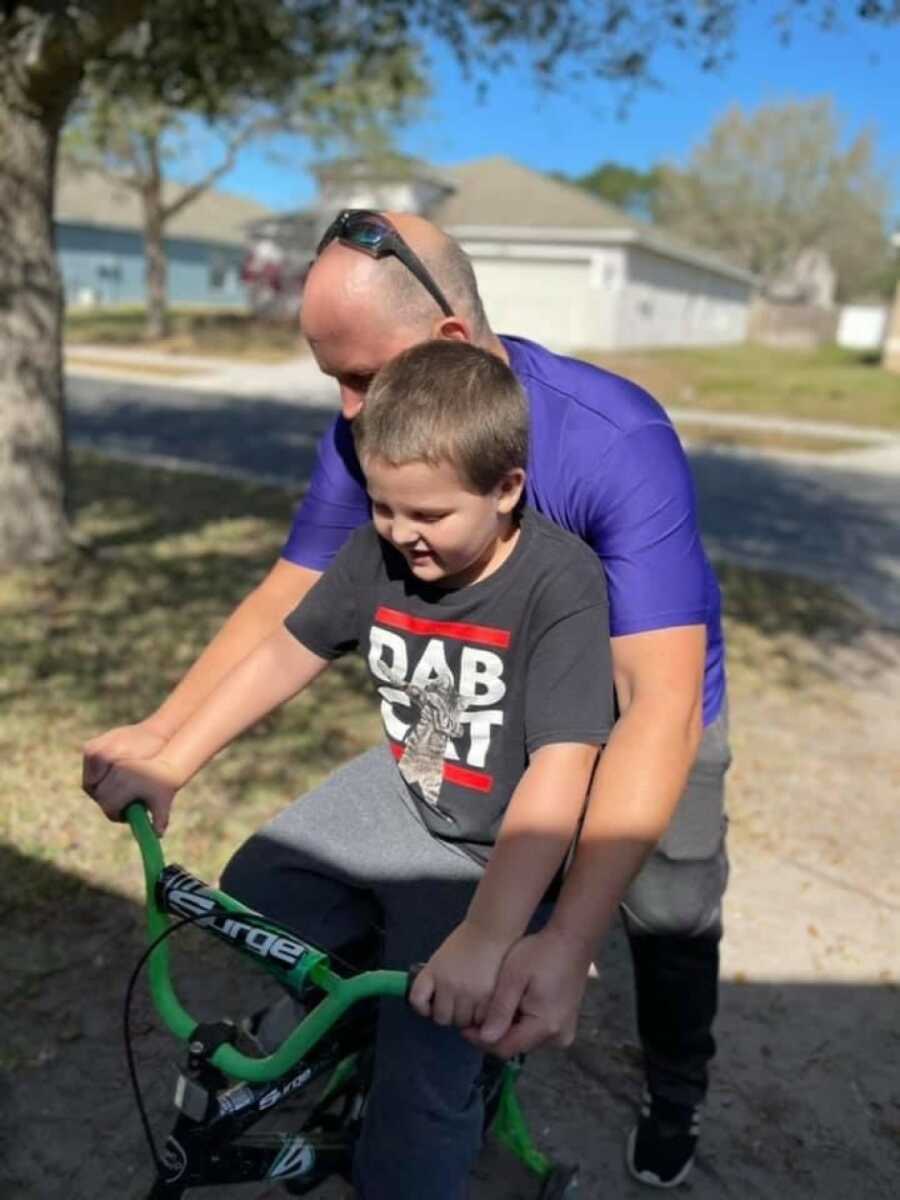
<point>510,490</point>
<point>452,329</point>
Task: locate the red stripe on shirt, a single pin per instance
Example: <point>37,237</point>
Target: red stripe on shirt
<point>483,635</point>
<point>476,781</point>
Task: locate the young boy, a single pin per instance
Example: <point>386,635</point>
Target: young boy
<point>486,634</point>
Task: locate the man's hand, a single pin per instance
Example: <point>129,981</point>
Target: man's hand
<point>153,780</point>
<point>537,997</point>
<point>126,741</point>
<point>454,987</point>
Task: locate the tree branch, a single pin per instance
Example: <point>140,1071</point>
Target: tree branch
<point>195,190</point>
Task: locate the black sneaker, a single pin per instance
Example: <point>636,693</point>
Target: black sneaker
<point>661,1146</point>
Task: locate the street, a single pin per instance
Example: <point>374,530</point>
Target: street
<point>841,526</point>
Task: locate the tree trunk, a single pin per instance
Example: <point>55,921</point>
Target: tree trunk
<point>33,525</point>
<point>157,324</point>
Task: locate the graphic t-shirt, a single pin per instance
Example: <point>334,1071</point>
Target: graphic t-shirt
<point>606,464</point>
<point>472,680</point>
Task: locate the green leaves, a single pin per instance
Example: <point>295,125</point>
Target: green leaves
<point>768,185</point>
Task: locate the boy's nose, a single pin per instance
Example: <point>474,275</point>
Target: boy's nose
<point>404,533</point>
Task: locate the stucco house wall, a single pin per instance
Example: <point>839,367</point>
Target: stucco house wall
<point>669,303</point>
<point>581,297</point>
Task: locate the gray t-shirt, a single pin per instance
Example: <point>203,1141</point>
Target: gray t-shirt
<point>472,680</point>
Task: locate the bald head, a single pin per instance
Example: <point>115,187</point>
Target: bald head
<point>359,312</point>
<point>388,291</point>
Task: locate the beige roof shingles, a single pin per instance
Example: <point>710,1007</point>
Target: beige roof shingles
<point>496,194</point>
<point>90,198</point>
<point>498,191</point>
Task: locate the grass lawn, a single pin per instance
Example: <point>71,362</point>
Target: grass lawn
<point>828,384</point>
<point>99,639</point>
<point>229,333</point>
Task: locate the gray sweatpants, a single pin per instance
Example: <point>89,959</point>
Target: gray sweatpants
<point>351,853</point>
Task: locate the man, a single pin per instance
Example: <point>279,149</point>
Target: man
<point>606,464</point>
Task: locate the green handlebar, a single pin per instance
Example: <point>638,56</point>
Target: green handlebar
<point>341,993</point>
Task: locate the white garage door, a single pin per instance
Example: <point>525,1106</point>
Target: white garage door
<point>543,299</point>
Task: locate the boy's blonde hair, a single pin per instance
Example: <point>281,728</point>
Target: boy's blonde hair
<point>446,401</point>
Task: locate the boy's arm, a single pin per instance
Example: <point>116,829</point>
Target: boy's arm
<point>277,669</point>
<point>537,830</point>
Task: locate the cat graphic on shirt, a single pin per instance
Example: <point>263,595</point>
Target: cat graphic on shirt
<point>440,709</point>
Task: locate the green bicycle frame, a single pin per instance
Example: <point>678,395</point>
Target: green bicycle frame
<point>341,993</point>
<point>509,1124</point>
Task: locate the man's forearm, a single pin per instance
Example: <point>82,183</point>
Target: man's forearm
<point>249,625</point>
<point>639,780</point>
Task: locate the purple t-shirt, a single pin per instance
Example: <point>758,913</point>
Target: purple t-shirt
<point>604,463</point>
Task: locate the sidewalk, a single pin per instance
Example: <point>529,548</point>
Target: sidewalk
<point>299,381</point>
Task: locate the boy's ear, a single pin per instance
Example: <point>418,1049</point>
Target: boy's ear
<point>510,490</point>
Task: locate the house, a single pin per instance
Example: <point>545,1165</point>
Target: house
<point>100,243</point>
<point>553,262</point>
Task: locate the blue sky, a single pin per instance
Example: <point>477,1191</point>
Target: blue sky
<point>576,130</point>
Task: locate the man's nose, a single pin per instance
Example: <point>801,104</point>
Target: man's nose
<point>352,402</point>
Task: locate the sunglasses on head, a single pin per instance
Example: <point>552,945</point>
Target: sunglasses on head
<point>373,233</point>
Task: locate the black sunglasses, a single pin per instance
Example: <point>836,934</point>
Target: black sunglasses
<point>375,235</point>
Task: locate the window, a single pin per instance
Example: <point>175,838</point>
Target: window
<point>218,270</point>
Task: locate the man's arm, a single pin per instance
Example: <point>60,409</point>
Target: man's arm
<point>639,780</point>
<point>537,830</point>
<point>255,618</point>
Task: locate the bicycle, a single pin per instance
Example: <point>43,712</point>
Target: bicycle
<point>221,1093</point>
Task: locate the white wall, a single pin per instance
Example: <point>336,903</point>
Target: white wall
<point>605,297</point>
<point>862,326</point>
<point>669,303</point>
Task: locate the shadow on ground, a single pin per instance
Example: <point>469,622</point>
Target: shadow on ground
<point>276,440</point>
<point>804,1101</point>
<point>836,526</point>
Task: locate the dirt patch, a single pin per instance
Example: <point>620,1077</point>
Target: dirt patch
<point>695,433</point>
<point>226,333</point>
<point>93,364</point>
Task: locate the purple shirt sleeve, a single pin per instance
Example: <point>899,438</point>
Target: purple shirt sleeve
<point>334,505</point>
<point>639,514</point>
